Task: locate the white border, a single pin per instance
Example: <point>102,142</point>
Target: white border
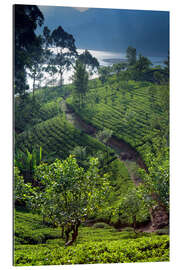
<point>128,4</point>
<point>6,125</point>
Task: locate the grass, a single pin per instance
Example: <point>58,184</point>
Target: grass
<point>128,109</point>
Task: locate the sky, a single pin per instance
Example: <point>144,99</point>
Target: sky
<point>112,29</point>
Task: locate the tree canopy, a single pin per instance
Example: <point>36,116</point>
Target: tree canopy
<point>142,64</point>
<point>132,205</point>
<point>63,49</point>
<point>80,80</point>
<point>70,193</point>
<point>26,19</point>
<point>36,62</point>
<point>90,62</point>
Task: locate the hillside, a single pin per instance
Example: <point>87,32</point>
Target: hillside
<point>136,112</point>
<point>136,115</point>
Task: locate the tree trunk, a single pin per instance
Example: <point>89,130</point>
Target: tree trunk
<point>67,231</point>
<point>74,234</point>
<point>67,236</point>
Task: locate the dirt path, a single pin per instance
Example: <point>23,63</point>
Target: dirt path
<point>129,156</point>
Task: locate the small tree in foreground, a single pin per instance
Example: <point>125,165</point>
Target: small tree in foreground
<point>132,206</point>
<point>70,193</point>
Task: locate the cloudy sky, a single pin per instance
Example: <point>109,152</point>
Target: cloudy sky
<point>112,29</point>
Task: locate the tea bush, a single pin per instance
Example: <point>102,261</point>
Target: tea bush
<point>101,225</point>
<point>29,228</point>
<point>135,114</point>
<point>145,249</point>
<point>57,138</point>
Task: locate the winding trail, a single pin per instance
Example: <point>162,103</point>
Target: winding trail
<point>128,155</point>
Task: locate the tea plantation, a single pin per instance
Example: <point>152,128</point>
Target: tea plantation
<point>136,113</point>
<point>38,244</point>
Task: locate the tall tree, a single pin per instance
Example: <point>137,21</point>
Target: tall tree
<point>90,62</point>
<point>131,55</point>
<point>46,37</point>
<point>36,62</point>
<point>48,55</point>
<point>141,67</point>
<point>142,64</point>
<point>64,51</point>
<point>104,72</point>
<point>26,19</point>
<point>80,80</point>
<point>46,40</point>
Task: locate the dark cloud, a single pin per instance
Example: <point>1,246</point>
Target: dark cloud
<point>113,29</point>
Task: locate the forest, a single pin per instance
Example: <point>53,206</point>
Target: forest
<point>91,157</point>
